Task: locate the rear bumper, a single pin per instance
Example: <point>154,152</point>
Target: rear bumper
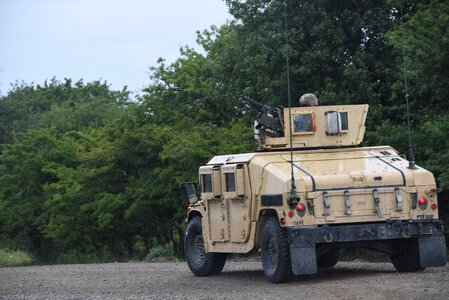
<point>381,236</point>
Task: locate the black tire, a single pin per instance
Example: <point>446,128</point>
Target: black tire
<point>200,262</point>
<point>407,260</point>
<point>275,252</point>
<point>329,259</point>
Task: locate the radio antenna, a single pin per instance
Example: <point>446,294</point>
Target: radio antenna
<point>411,155</point>
<point>293,198</point>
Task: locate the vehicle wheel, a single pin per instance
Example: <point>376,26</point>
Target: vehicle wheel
<point>408,259</point>
<point>329,259</point>
<point>275,252</point>
<point>200,262</point>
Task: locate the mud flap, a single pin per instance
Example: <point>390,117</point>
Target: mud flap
<point>432,251</point>
<point>303,260</point>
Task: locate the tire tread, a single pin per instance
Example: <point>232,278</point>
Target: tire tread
<point>283,271</point>
<point>213,262</point>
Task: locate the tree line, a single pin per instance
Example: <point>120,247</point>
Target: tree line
<point>87,169</point>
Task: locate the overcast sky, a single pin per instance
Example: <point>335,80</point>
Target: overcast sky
<point>115,40</point>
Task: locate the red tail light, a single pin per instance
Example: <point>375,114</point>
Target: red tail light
<point>301,207</point>
<point>422,201</point>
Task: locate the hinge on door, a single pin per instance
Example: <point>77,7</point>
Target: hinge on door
<point>377,202</point>
<point>327,204</point>
<point>398,199</point>
<point>347,203</point>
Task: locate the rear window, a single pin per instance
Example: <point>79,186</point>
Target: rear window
<point>206,183</point>
<point>230,182</point>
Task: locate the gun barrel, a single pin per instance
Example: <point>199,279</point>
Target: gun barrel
<point>269,119</point>
<point>263,108</point>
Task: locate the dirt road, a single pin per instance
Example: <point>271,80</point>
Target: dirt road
<point>239,280</point>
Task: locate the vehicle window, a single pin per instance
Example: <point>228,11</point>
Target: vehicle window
<point>337,122</point>
<point>344,120</point>
<point>207,183</point>
<point>230,182</point>
<point>303,123</point>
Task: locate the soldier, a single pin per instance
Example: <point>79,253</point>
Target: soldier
<point>304,122</point>
<point>308,100</point>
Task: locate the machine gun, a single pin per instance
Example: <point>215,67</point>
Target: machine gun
<point>269,119</point>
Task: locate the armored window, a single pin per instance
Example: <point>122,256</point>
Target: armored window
<point>344,120</point>
<point>303,123</point>
<point>230,182</point>
<point>337,122</point>
<point>206,183</point>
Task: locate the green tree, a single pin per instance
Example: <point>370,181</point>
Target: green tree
<point>23,176</point>
<point>62,105</point>
<point>423,39</point>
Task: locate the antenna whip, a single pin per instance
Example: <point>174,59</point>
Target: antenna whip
<point>411,155</point>
<point>293,198</point>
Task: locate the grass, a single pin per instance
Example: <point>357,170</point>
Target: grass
<point>14,258</point>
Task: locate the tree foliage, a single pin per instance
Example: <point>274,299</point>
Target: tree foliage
<point>83,169</point>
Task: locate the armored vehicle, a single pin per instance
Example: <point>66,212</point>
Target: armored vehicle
<point>309,191</point>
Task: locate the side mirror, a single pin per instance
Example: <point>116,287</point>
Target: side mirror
<point>189,192</point>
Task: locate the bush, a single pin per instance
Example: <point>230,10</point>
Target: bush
<point>13,258</point>
<point>162,253</point>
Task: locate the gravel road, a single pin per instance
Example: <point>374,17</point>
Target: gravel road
<point>239,280</point>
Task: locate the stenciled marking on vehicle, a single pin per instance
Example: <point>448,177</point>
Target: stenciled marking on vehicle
<point>298,223</point>
<point>424,217</point>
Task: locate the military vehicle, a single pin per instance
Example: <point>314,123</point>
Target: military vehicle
<point>303,196</point>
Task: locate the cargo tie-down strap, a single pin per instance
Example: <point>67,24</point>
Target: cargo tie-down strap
<point>327,204</point>
<point>376,203</point>
<point>398,199</point>
<point>347,203</point>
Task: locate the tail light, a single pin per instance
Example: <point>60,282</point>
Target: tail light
<point>300,207</point>
<point>422,201</point>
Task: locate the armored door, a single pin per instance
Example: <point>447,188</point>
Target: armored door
<point>216,206</point>
<point>236,195</point>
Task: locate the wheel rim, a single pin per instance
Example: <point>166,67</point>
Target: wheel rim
<point>198,249</point>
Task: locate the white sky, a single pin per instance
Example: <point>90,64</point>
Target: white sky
<point>115,40</point>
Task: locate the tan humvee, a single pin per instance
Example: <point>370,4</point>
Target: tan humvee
<point>346,196</point>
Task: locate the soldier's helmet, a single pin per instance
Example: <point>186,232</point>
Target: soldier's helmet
<point>308,100</point>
